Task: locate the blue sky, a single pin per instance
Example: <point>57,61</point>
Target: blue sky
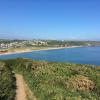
<point>50,19</point>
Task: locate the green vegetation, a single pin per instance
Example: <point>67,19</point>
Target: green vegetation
<point>7,82</point>
<point>59,81</point>
<point>72,43</point>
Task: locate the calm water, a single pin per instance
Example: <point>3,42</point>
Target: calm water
<point>83,55</point>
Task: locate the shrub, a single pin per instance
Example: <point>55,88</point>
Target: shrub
<point>7,82</point>
<point>81,83</point>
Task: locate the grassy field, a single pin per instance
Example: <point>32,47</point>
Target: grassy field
<point>25,49</point>
<point>59,81</point>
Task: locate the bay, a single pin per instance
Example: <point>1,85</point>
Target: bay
<point>81,55</point>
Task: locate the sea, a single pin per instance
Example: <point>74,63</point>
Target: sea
<point>79,55</point>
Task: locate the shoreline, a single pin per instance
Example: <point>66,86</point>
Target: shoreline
<point>29,50</point>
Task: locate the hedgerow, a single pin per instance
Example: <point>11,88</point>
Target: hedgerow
<point>7,82</point>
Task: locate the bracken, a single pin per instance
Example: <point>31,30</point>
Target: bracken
<point>81,83</point>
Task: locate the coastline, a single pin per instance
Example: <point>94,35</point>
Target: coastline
<point>29,50</point>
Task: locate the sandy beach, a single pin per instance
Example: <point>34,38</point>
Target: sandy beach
<point>29,50</point>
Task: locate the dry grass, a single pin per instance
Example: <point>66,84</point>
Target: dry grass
<point>81,83</point>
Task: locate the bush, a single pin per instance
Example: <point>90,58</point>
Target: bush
<point>7,83</point>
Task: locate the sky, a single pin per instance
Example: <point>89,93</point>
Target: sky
<point>50,19</point>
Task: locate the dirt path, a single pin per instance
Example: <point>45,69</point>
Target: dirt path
<point>20,91</point>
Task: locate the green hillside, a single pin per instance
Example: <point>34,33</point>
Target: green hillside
<point>59,81</point>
